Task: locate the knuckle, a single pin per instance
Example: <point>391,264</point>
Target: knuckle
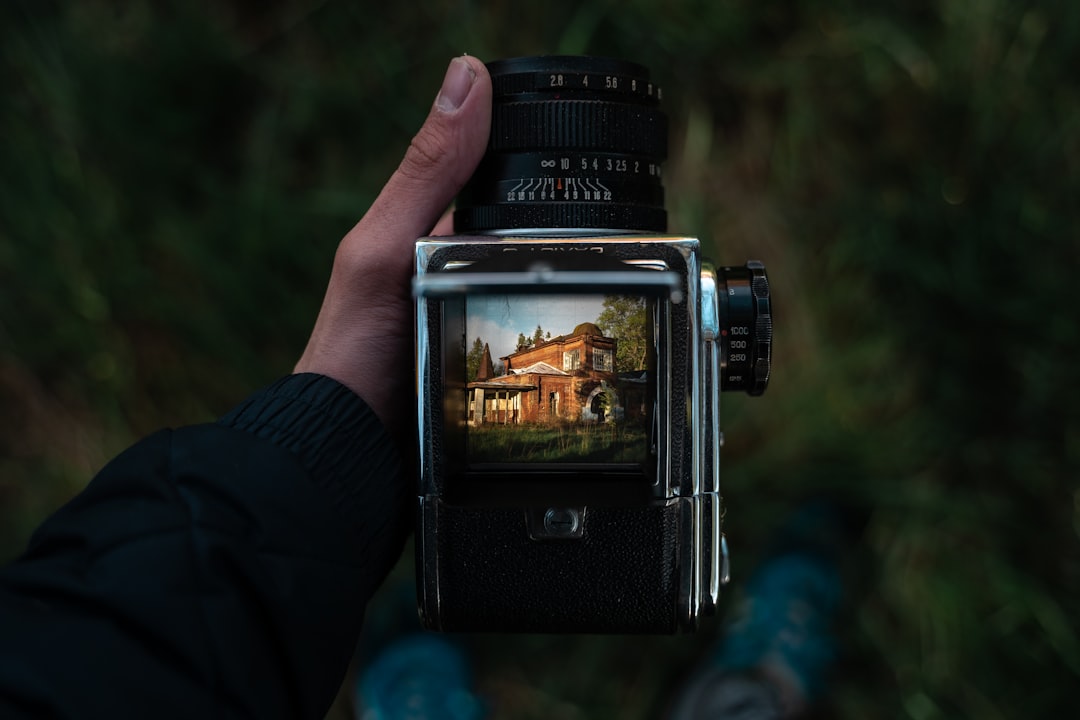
<point>427,151</point>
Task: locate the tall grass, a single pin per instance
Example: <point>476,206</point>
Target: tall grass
<point>558,442</point>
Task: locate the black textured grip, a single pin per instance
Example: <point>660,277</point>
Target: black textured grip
<point>620,577</point>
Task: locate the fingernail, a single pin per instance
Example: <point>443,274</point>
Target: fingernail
<point>456,85</point>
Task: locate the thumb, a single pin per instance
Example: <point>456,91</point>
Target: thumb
<point>362,336</point>
<point>439,160</point>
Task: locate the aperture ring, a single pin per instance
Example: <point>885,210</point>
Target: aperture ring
<point>579,124</point>
<point>601,84</point>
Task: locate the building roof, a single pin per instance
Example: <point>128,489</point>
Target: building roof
<point>586,328</point>
<point>501,386</point>
<point>540,368</point>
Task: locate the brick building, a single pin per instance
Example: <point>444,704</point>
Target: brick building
<point>570,378</point>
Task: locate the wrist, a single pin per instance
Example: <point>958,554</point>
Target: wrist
<point>334,433</point>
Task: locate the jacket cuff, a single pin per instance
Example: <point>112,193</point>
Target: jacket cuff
<point>336,436</point>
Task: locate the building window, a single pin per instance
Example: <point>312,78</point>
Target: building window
<point>553,404</point>
<point>571,360</point>
<point>603,360</point>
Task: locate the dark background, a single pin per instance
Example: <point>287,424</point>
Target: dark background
<point>174,178</point>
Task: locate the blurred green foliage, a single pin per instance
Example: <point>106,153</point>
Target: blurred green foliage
<point>175,176</point>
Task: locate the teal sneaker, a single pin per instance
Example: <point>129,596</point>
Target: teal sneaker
<point>418,677</point>
<point>773,660</point>
<point>784,626</point>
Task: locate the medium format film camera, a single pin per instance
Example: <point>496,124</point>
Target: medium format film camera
<point>570,360</point>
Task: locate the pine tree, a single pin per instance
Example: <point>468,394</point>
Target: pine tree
<point>472,360</point>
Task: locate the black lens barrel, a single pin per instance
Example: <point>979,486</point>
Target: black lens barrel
<point>576,143</point>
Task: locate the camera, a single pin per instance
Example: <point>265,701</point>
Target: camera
<point>570,359</point>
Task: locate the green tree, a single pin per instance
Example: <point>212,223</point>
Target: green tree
<point>472,360</point>
<point>538,336</point>
<point>623,318</point>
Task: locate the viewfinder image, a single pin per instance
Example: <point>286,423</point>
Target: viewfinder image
<point>558,379</point>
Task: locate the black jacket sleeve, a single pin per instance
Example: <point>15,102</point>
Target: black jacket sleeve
<point>217,571</point>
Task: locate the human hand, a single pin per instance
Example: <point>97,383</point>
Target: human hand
<point>363,337</point>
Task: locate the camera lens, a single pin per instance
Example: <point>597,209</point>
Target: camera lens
<point>576,144</point>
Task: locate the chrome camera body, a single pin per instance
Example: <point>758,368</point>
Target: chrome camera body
<point>569,375</point>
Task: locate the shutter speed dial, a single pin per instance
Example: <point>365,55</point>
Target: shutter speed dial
<point>745,323</point>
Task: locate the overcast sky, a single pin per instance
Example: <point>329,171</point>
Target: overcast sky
<point>497,319</point>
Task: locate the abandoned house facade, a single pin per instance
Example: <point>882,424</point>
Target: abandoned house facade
<point>570,378</point>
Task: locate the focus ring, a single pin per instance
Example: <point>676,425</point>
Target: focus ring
<point>579,125</point>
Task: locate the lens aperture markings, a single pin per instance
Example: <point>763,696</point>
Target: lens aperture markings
<point>593,83</point>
